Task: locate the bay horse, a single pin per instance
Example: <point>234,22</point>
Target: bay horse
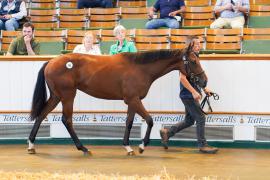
<point>125,76</point>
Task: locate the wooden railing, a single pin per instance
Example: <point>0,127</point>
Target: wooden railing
<point>202,57</point>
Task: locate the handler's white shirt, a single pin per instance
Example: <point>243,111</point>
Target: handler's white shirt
<point>81,49</point>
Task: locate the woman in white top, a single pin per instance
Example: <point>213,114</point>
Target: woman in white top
<point>87,46</point>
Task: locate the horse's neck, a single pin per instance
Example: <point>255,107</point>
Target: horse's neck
<point>161,67</point>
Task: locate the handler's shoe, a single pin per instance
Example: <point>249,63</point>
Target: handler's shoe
<point>208,149</point>
<point>164,134</point>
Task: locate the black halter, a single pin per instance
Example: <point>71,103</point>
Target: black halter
<point>191,76</point>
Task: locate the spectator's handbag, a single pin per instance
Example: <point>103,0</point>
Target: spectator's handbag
<point>178,18</point>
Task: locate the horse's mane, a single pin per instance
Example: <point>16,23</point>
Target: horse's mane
<point>152,56</point>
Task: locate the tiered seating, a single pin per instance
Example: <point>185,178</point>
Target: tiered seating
<point>134,13</point>
<point>197,2</point>
<point>147,39</point>
<point>131,3</point>
<point>259,10</point>
<point>134,17</point>
<point>104,17</point>
<point>74,18</point>
<point>223,41</point>
<point>212,40</point>
<point>42,4</point>
<point>259,16</point>
<point>6,38</point>
<point>43,19</point>
<point>259,2</point>
<point>256,40</point>
<point>199,13</point>
<point>178,37</point>
<point>68,4</point>
<point>198,17</point>
<point>51,42</point>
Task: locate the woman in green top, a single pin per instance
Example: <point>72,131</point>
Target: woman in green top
<point>121,45</point>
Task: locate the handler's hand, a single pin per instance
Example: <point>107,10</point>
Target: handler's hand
<point>196,96</point>
<point>207,91</point>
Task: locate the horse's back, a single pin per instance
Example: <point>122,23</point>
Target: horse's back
<point>99,76</point>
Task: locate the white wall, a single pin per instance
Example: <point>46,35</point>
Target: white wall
<point>243,86</point>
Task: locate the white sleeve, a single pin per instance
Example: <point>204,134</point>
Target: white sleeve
<point>22,13</point>
<point>76,49</point>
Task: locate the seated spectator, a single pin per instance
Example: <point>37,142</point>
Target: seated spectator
<point>121,45</point>
<point>25,44</point>
<point>231,13</point>
<point>94,3</point>
<point>87,46</point>
<point>169,14</point>
<point>11,12</point>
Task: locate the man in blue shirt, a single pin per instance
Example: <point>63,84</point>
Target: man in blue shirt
<point>170,11</point>
<point>231,13</point>
<point>190,94</point>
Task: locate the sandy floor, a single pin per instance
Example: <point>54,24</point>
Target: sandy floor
<point>181,162</point>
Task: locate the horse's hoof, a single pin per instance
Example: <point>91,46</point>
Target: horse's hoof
<point>31,151</point>
<point>141,150</point>
<point>87,153</point>
<point>131,153</point>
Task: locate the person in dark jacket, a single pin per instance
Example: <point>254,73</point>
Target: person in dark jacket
<point>11,12</point>
<point>190,94</point>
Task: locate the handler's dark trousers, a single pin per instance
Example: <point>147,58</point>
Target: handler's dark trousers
<point>193,113</point>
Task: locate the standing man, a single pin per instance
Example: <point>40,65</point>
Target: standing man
<point>170,11</point>
<point>231,13</point>
<point>25,44</point>
<point>11,11</point>
<point>190,94</point>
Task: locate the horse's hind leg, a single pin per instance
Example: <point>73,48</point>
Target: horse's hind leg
<point>129,123</point>
<point>51,104</point>
<point>67,121</point>
<point>137,105</point>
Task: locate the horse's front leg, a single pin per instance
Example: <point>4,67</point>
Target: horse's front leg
<point>129,123</point>
<point>137,105</point>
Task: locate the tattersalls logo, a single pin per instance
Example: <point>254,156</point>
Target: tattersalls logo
<point>116,118</point>
<point>75,118</point>
<point>167,118</point>
<point>211,119</point>
<point>258,120</point>
<point>95,118</point>
<point>221,119</point>
<point>14,118</point>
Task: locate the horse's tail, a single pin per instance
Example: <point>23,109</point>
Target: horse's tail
<point>40,94</point>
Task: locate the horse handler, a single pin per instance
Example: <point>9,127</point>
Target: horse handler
<point>190,94</point>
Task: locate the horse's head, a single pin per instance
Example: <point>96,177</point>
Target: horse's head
<point>192,66</point>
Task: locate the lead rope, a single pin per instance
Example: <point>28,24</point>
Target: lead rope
<point>207,100</point>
